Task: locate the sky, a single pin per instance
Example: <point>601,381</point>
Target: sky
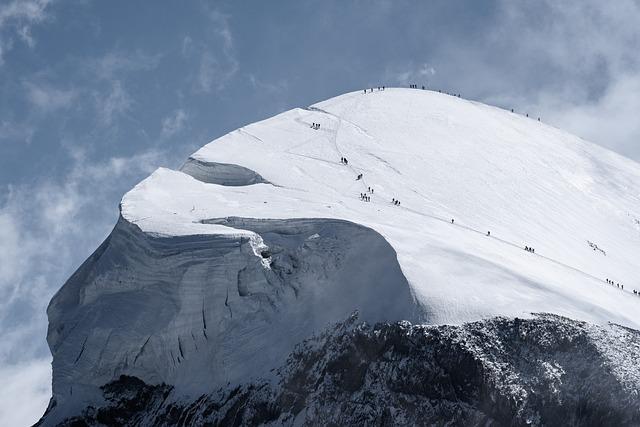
<point>96,95</point>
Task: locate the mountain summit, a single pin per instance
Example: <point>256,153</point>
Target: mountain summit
<point>397,204</point>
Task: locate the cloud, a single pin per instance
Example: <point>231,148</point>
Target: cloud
<point>116,103</point>
<point>570,62</point>
<point>10,130</point>
<point>49,98</point>
<point>25,391</point>
<point>47,228</point>
<point>218,63</point>
<point>17,18</point>
<point>410,73</point>
<point>112,64</point>
<point>611,119</point>
<point>173,123</point>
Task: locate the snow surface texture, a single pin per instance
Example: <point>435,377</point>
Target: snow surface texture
<point>546,371</point>
<point>215,272</point>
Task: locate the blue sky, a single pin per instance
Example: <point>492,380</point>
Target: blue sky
<point>94,95</point>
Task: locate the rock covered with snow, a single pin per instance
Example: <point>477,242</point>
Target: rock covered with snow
<point>215,272</point>
<point>547,370</point>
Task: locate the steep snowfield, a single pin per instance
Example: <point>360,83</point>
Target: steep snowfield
<point>442,157</point>
<point>215,272</point>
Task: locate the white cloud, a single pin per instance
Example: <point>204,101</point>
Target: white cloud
<point>17,18</point>
<point>46,230</point>
<point>573,63</point>
<point>110,65</point>
<point>49,98</point>
<point>410,74</point>
<point>173,123</point>
<point>116,103</point>
<point>25,392</point>
<point>218,63</point>
<point>113,69</point>
<point>10,130</point>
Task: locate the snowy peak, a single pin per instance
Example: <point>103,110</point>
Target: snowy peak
<point>443,158</point>
<point>398,204</point>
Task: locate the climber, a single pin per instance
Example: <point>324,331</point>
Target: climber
<point>451,220</point>
<point>488,233</point>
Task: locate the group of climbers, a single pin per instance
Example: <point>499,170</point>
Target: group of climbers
<point>415,86</point>
<point>612,283</point>
<point>315,126</point>
<point>366,198</point>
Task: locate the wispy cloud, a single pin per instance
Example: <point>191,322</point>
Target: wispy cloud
<point>174,123</point>
<point>410,73</point>
<point>49,98</point>
<point>576,63</point>
<point>16,20</point>
<point>26,390</point>
<point>116,103</point>
<point>218,62</point>
<point>10,130</point>
<point>46,229</point>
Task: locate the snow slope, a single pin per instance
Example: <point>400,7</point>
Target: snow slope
<point>442,157</point>
<point>215,272</point>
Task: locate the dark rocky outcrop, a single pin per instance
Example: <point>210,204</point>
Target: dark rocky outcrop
<point>547,370</point>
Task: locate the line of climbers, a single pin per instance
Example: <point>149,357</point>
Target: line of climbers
<point>315,126</point>
<point>415,86</point>
<point>527,114</point>
<point>366,198</point>
<point>612,283</point>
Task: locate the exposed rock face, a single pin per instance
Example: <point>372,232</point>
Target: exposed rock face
<point>547,370</point>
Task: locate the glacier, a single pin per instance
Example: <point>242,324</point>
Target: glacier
<point>214,273</point>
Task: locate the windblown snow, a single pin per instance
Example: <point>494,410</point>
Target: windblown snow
<point>215,271</point>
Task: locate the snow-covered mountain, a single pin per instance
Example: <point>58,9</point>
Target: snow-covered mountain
<point>214,273</point>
